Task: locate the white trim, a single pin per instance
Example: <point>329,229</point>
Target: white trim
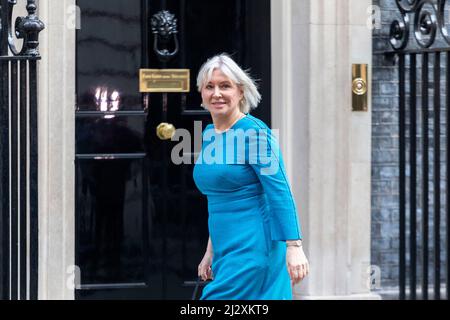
<point>56,127</point>
<point>281,47</point>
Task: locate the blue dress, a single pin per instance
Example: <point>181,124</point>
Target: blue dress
<point>251,212</point>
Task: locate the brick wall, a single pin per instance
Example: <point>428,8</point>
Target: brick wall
<point>385,166</point>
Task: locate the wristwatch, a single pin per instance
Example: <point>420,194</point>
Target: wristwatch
<point>294,243</point>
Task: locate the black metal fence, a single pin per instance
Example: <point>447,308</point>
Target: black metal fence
<point>424,101</point>
<point>19,156</point>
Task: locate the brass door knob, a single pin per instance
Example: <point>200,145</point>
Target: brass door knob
<point>165,131</point>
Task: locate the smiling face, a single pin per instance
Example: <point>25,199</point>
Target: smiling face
<point>221,95</point>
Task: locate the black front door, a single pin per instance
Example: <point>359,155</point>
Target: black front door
<point>141,224</point>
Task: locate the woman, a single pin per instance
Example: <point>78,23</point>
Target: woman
<point>255,244</point>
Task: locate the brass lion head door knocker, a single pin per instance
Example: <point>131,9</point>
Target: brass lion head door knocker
<point>164,28</point>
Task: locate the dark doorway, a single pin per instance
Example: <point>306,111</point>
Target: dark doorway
<point>141,224</point>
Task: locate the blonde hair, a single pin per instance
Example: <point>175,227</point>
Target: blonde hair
<point>231,69</point>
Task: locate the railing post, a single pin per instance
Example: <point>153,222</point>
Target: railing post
<point>421,23</point>
<point>18,280</point>
<point>4,155</point>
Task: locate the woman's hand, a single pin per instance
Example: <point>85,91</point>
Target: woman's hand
<point>204,268</point>
<point>297,264</point>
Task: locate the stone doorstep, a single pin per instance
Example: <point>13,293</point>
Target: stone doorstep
<point>392,293</point>
<point>362,296</point>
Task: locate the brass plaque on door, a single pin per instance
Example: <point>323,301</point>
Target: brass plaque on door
<point>164,80</point>
<point>359,87</point>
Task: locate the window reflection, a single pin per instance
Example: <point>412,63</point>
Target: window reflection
<point>104,103</point>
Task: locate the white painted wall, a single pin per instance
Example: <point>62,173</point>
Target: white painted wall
<point>56,148</point>
<point>326,146</point>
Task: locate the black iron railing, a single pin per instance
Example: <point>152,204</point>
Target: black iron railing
<point>19,156</point>
<point>421,103</point>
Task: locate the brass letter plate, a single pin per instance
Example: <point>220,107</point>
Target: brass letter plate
<point>164,80</point>
<point>359,87</point>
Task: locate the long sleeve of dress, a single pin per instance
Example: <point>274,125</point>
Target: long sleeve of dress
<point>266,160</point>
